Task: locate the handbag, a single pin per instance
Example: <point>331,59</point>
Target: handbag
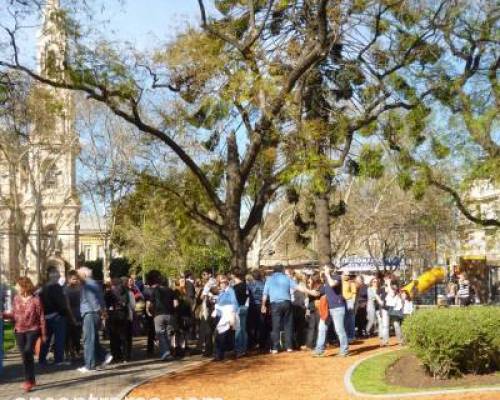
<point>395,314</point>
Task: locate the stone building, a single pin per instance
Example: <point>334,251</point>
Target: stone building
<point>478,247</point>
<point>39,204</point>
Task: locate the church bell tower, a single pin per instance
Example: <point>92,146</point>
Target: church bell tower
<point>55,149</point>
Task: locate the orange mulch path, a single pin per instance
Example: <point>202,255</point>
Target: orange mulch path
<point>290,376</point>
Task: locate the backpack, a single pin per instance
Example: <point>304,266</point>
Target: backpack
<point>119,303</point>
<point>324,309</point>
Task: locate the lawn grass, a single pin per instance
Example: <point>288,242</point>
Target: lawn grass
<point>369,376</point>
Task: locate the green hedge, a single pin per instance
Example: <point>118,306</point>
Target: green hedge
<point>8,338</point>
<point>451,342</point>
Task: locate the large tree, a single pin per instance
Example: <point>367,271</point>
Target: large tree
<point>343,97</point>
<point>454,142</point>
<point>153,230</point>
<point>213,86</point>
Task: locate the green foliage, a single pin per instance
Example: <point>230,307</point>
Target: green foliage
<point>339,209</point>
<point>120,267</point>
<point>430,53</point>
<point>452,342</point>
<point>419,188</point>
<point>486,168</point>
<point>155,231</point>
<point>401,86</point>
<point>440,150</point>
<point>369,129</point>
<point>405,181</point>
<point>353,167</point>
<point>370,162</point>
<point>209,113</point>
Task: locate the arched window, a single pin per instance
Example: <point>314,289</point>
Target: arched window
<point>50,174</point>
<point>50,239</point>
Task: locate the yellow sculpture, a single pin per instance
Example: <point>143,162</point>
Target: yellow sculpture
<point>425,281</point>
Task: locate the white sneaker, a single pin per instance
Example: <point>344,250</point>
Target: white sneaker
<point>274,351</point>
<point>107,360</point>
<point>84,370</point>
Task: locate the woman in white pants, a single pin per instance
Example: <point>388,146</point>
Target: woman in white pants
<point>371,306</point>
<point>385,300</point>
<point>396,315</point>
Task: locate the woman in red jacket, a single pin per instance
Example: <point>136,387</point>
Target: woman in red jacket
<point>29,325</point>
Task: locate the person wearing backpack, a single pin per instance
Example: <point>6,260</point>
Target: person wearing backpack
<point>162,306</point>
<point>56,308</point>
<point>117,306</point>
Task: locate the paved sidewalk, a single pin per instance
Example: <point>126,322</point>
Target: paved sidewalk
<point>66,382</point>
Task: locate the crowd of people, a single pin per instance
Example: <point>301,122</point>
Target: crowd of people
<point>233,313</point>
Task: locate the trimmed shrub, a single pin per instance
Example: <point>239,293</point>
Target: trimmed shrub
<point>452,342</point>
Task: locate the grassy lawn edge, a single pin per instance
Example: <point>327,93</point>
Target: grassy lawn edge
<point>369,376</point>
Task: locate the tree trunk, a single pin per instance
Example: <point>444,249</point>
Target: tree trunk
<point>322,220</point>
<point>234,191</point>
<point>239,258</point>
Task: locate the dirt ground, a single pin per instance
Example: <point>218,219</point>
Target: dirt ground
<point>290,376</point>
<point>409,372</point>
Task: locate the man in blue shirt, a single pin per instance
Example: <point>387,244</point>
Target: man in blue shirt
<point>278,289</point>
<point>92,309</point>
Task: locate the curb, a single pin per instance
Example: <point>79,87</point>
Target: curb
<point>352,391</point>
<point>123,394</point>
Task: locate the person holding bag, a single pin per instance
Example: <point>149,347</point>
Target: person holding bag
<point>29,326</point>
<point>382,314</point>
<point>396,313</point>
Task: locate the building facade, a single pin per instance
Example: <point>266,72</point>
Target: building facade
<point>94,238</point>
<point>39,204</point>
<point>478,247</point>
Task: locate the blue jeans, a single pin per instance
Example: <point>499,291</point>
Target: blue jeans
<point>320,341</point>
<point>164,330</point>
<point>338,315</point>
<point>92,350</point>
<point>241,340</point>
<point>56,327</point>
<point>281,313</point>
<point>350,324</point>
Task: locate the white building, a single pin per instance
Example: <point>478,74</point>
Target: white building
<point>39,205</point>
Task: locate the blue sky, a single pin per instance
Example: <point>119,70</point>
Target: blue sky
<point>142,21</point>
